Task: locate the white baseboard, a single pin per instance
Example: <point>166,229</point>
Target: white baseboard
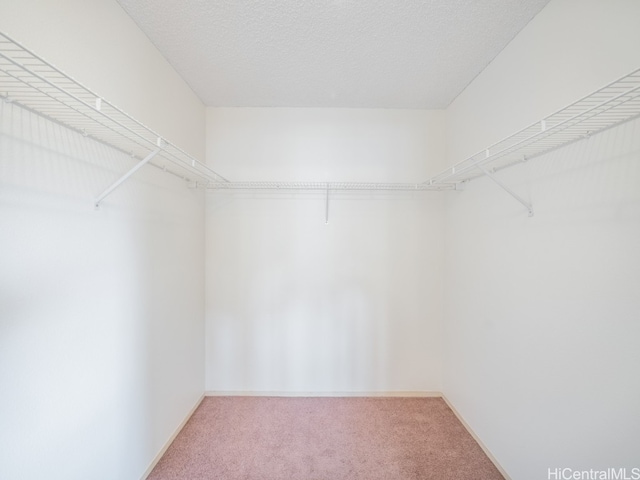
<point>477,439</point>
<point>171,438</point>
<point>320,394</point>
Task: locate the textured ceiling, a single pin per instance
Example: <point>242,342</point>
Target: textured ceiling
<point>330,53</point>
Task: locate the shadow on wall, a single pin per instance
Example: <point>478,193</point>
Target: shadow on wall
<point>99,310</point>
<point>309,344</point>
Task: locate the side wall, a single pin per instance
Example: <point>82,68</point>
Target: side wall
<point>294,305</point>
<point>541,314</point>
<point>101,312</point>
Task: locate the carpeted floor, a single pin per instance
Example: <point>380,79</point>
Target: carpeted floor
<point>268,438</point>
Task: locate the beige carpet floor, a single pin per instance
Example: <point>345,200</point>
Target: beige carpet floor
<point>269,438</point>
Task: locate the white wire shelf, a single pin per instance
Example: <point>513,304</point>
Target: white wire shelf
<point>36,85</point>
<point>333,186</point>
<point>605,108</point>
<point>31,82</point>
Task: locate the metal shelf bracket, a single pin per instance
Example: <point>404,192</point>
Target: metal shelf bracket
<point>124,178</point>
<point>605,108</point>
<point>527,205</point>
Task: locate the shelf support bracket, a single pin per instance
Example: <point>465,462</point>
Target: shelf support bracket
<point>122,179</point>
<point>527,205</point>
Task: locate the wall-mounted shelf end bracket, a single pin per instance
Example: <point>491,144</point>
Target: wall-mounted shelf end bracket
<point>526,204</point>
<point>124,177</point>
<point>460,186</point>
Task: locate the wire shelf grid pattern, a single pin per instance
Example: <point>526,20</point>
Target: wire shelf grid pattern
<point>333,186</point>
<point>605,108</point>
<point>36,85</point>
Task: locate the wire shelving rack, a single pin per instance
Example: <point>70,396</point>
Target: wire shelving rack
<point>31,82</point>
<point>34,84</point>
<point>605,108</point>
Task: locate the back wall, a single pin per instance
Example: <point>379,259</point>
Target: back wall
<point>296,305</point>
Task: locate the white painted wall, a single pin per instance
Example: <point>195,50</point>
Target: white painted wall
<point>294,305</point>
<point>101,312</point>
<point>541,314</point>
